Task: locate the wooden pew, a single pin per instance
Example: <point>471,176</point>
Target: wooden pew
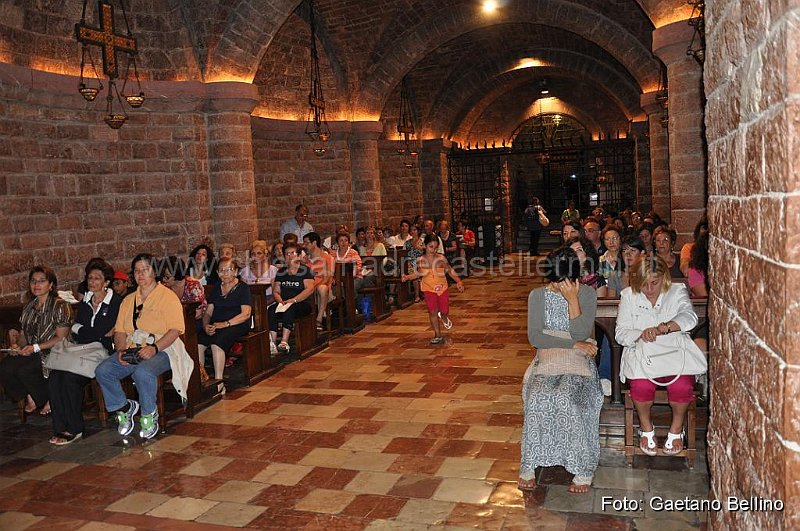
<point>258,363</point>
<point>403,290</point>
<point>345,278</point>
<point>307,341</point>
<point>336,306</point>
<point>377,292</point>
<point>195,398</point>
<point>606,320</point>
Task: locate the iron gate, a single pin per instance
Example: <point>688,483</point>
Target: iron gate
<point>478,196</point>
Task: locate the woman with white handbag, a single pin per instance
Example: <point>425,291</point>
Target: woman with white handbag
<point>90,338</point>
<point>653,325</point>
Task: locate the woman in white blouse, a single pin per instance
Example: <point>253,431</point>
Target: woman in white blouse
<point>653,325</point>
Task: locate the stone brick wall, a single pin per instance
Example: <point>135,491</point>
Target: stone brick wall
<point>751,78</point>
<point>71,188</point>
<point>401,187</point>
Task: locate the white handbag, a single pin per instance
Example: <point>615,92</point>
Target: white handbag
<point>76,358</point>
<point>679,356</point>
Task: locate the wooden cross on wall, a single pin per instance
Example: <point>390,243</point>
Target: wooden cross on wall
<point>106,38</point>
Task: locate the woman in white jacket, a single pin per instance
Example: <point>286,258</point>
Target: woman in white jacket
<point>654,321</point>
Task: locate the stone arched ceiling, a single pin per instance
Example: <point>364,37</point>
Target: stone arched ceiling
<point>454,74</point>
<point>663,12</point>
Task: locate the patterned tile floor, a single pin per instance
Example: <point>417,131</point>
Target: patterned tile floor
<point>379,431</point>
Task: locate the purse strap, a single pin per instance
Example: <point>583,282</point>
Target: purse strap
<point>644,358</point>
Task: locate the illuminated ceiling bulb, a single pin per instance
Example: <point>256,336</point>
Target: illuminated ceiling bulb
<point>489,6</point>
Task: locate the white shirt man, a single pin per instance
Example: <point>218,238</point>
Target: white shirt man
<point>298,224</point>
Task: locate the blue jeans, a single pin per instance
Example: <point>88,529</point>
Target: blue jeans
<point>604,369</point>
<point>145,375</point>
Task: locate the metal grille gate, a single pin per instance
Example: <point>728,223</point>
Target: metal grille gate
<point>478,195</point>
<point>485,183</point>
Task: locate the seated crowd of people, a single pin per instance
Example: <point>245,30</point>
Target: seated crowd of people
<point>608,246</point>
<point>136,320</point>
<point>631,257</point>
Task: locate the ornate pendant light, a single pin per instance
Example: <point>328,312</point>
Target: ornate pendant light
<point>697,47</point>
<point>662,97</point>
<point>405,126</point>
<point>317,125</point>
<point>111,43</point>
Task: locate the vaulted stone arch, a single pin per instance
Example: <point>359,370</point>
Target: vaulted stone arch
<point>391,62</point>
<point>479,79</point>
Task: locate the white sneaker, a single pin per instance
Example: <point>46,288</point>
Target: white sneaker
<point>606,385</point>
<point>273,350</point>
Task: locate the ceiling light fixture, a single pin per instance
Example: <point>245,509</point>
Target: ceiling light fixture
<point>317,125</point>
<point>489,6</point>
<point>111,43</point>
<point>543,89</point>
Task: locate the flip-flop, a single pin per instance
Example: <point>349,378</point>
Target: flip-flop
<point>45,412</point>
<point>65,439</point>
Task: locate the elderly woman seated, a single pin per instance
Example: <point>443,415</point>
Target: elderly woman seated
<point>561,393</point>
<point>653,325</point>
<point>664,245</point>
<point>227,317</point>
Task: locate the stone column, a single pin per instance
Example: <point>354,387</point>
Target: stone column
<point>433,174</point>
<point>687,151</point>
<point>365,173</point>
<point>659,156</point>
<point>230,162</point>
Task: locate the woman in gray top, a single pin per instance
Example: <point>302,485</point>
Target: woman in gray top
<point>561,392</point>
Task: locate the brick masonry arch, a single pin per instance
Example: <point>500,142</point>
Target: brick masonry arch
<point>502,109</point>
<point>237,38</point>
<point>448,110</point>
<point>447,23</point>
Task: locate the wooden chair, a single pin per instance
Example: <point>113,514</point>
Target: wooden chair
<point>377,292</point>
<point>353,322</point>
<point>194,388</point>
<point>690,425</point>
<point>402,294</point>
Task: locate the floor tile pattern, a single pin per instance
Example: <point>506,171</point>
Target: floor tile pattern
<point>379,431</point>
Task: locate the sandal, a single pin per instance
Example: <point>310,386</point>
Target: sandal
<point>230,361</point>
<point>669,447</point>
<point>45,411</point>
<point>320,328</point>
<point>204,377</point>
<point>526,484</point>
<point>283,347</point>
<point>649,437</point>
<point>63,439</point>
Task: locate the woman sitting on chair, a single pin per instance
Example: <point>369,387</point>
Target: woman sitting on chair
<point>561,393</point>
<point>653,324</point>
<point>226,319</point>
<point>292,287</point>
<point>45,320</point>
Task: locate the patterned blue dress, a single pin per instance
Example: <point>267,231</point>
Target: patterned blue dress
<point>562,411</point>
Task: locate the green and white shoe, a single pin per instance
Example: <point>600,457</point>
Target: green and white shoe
<point>149,424</point>
<point>125,419</point>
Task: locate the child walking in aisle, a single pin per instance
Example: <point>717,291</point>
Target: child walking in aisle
<point>433,269</point>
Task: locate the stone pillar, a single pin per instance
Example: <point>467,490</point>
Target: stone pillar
<point>659,156</point>
<point>687,151</point>
<point>230,162</point>
<point>754,217</point>
<point>365,173</point>
<point>433,174</point>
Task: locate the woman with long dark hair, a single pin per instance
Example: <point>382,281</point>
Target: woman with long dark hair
<point>561,392</point>
<point>45,320</point>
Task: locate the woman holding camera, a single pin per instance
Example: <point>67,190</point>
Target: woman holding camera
<point>561,392</point>
<point>147,344</point>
